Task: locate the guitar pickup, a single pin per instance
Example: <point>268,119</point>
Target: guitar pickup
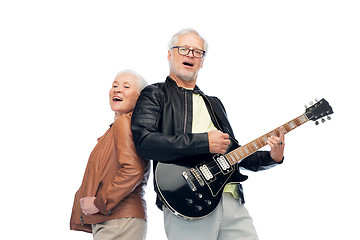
<point>206,172</point>
<point>223,163</point>
<point>189,182</point>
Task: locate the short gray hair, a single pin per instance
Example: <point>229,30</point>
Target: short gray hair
<point>141,82</point>
<point>185,31</point>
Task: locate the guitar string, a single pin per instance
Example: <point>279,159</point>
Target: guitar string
<point>213,166</point>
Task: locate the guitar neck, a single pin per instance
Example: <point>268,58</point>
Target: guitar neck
<point>240,153</point>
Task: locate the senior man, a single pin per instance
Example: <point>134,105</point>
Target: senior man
<point>173,121</point>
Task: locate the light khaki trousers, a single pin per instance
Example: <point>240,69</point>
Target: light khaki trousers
<point>230,220</point>
<point>120,229</point>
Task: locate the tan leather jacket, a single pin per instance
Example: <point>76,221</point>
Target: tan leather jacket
<point>116,176</point>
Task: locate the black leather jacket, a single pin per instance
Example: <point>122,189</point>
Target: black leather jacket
<point>162,123</point>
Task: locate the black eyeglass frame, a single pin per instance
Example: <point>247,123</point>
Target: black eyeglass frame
<point>190,50</point>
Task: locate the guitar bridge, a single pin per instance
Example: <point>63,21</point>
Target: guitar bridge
<point>197,176</point>
<point>189,182</point>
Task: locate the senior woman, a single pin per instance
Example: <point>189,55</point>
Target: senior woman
<point>110,201</point>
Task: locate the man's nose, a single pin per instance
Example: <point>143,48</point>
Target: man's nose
<point>192,53</point>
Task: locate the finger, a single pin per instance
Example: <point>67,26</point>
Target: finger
<point>276,140</point>
<point>282,135</point>
<point>273,143</point>
<point>272,139</point>
<point>272,146</point>
<point>270,143</point>
<point>223,148</point>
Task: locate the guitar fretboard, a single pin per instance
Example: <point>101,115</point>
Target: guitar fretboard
<point>240,153</point>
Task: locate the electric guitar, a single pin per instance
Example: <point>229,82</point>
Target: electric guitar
<point>192,188</point>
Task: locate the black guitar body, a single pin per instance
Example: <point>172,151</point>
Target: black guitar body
<point>192,187</point>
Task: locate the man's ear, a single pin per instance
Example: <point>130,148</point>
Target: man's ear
<point>169,55</point>
<point>202,62</point>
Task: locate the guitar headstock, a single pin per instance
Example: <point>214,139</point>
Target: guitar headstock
<point>319,110</point>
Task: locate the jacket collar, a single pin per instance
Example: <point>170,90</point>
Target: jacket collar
<point>128,115</point>
<point>170,81</point>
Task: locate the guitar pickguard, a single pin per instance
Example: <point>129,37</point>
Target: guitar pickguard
<point>215,174</point>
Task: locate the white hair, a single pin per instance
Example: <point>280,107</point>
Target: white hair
<point>141,82</point>
<point>185,31</point>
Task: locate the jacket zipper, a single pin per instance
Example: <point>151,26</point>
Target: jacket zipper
<point>213,113</point>
<point>185,121</point>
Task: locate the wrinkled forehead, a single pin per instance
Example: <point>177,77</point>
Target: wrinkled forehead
<point>190,40</point>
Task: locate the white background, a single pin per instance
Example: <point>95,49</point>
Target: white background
<point>266,60</point>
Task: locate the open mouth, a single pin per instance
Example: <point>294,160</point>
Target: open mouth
<point>189,64</point>
<point>117,99</point>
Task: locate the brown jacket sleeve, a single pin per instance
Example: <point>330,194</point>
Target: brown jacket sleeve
<point>131,169</point>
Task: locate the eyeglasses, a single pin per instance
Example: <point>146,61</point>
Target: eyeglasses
<point>185,51</point>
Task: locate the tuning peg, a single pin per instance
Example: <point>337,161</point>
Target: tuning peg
<point>305,106</point>
<point>311,103</point>
<point>328,118</point>
<point>316,123</point>
<point>322,120</point>
<point>316,100</point>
